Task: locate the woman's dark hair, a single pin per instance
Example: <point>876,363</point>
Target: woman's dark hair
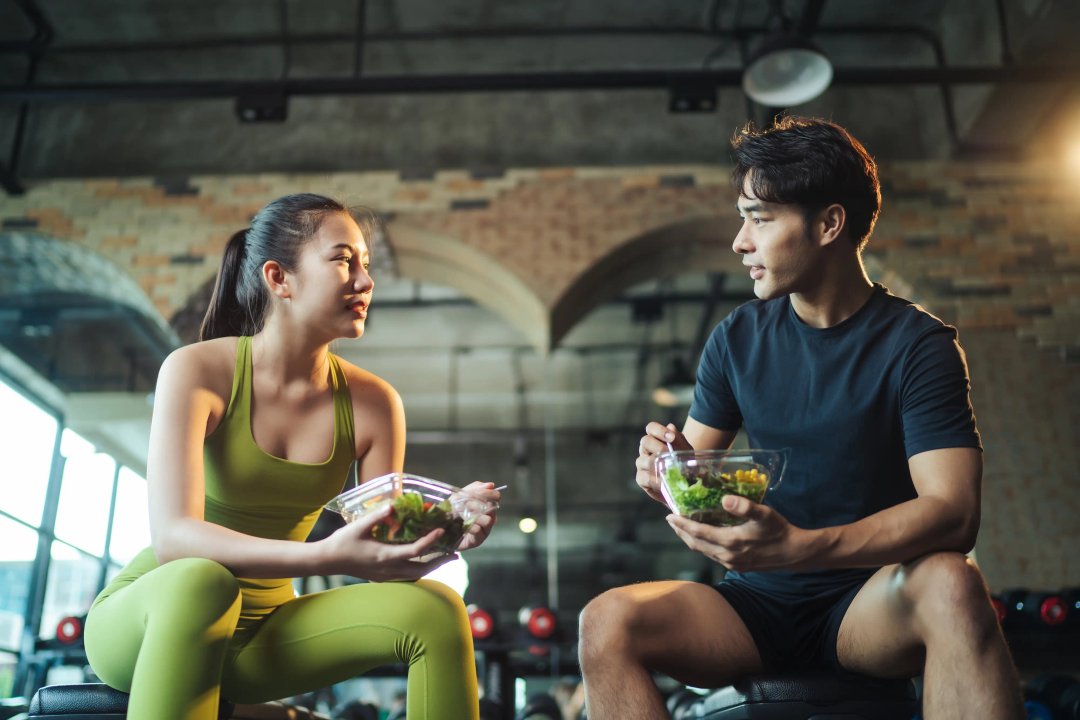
<point>812,163</point>
<point>278,232</point>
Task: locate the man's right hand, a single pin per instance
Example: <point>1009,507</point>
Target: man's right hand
<point>653,442</point>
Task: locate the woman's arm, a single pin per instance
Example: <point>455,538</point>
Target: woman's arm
<point>379,419</point>
<point>192,391</point>
<point>380,446</point>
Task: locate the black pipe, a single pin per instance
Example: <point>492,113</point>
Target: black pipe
<point>1003,33</point>
<point>10,182</point>
<point>43,31</point>
<point>20,123</point>
<point>374,37</point>
<point>359,38</point>
<point>34,48</point>
<point>504,82</point>
<point>463,34</point>
<point>808,23</point>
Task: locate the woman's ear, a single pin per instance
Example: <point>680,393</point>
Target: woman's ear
<point>275,278</point>
<point>830,223</point>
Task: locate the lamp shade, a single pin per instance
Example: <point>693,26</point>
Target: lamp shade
<point>786,70</point>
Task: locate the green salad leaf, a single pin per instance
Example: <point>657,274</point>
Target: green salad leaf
<point>698,495</point>
<point>413,517</point>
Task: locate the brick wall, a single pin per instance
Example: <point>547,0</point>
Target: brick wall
<point>991,248</point>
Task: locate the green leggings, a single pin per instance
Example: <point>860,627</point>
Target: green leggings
<point>168,639</point>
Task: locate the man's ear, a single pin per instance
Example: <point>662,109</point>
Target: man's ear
<point>275,278</point>
<point>830,223</point>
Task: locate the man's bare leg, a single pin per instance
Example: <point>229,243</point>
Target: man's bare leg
<point>933,616</point>
<point>685,630</point>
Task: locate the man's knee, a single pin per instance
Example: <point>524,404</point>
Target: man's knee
<point>606,623</point>
<point>946,587</point>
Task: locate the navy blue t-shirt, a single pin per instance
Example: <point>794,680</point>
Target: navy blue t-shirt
<point>853,402</point>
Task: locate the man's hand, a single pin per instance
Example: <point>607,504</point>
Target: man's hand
<point>654,442</point>
<point>766,541</point>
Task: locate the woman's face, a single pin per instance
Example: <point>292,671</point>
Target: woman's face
<point>331,288</point>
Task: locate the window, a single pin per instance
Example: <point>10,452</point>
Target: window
<point>18,547</point>
<point>71,587</point>
<point>8,662</point>
<point>27,436</point>
<point>131,519</point>
<point>85,494</point>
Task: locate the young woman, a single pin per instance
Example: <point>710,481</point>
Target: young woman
<point>254,429</point>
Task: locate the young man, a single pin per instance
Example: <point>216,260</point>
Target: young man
<point>858,560</point>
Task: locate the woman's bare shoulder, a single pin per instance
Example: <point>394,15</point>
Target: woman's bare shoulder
<point>208,364</point>
<point>378,415</point>
<point>367,387</point>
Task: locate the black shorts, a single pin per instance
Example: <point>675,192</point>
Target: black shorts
<point>794,628</point>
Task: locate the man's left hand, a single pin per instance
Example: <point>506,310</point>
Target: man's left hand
<point>766,541</point>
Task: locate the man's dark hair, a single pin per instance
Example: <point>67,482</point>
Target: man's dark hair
<point>812,163</point>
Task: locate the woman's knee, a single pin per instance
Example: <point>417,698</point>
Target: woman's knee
<point>440,600</point>
<point>199,581</point>
<point>438,612</point>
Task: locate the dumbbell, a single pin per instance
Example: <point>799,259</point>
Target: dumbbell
<point>1068,707</point>
<point>538,622</point>
<point>540,706</point>
<point>1053,696</point>
<point>1071,597</point>
<point>482,623</point>
<point>489,710</point>
<point>1026,609</point>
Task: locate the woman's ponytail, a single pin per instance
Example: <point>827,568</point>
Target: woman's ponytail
<point>226,315</point>
<point>241,300</point>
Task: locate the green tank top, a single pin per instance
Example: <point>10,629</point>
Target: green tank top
<point>253,492</point>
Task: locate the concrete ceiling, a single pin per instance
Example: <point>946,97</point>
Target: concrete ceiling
<point>150,88</point>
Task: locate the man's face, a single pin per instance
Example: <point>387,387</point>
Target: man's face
<point>775,245</point>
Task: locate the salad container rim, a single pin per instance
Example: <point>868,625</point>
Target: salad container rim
<point>383,483</point>
<point>678,454</point>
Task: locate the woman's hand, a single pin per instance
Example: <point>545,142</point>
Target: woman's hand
<point>482,526</point>
<point>352,550</point>
<point>654,442</point>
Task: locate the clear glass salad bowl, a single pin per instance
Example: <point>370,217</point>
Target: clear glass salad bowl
<point>693,482</point>
<point>420,506</point>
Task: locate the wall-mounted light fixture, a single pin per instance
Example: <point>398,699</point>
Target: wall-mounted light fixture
<point>263,106</point>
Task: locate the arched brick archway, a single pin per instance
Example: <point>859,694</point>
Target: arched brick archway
<point>698,245</point>
<point>422,254</point>
<point>77,317</point>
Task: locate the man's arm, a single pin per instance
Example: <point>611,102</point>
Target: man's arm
<point>703,437</point>
<point>944,516</point>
